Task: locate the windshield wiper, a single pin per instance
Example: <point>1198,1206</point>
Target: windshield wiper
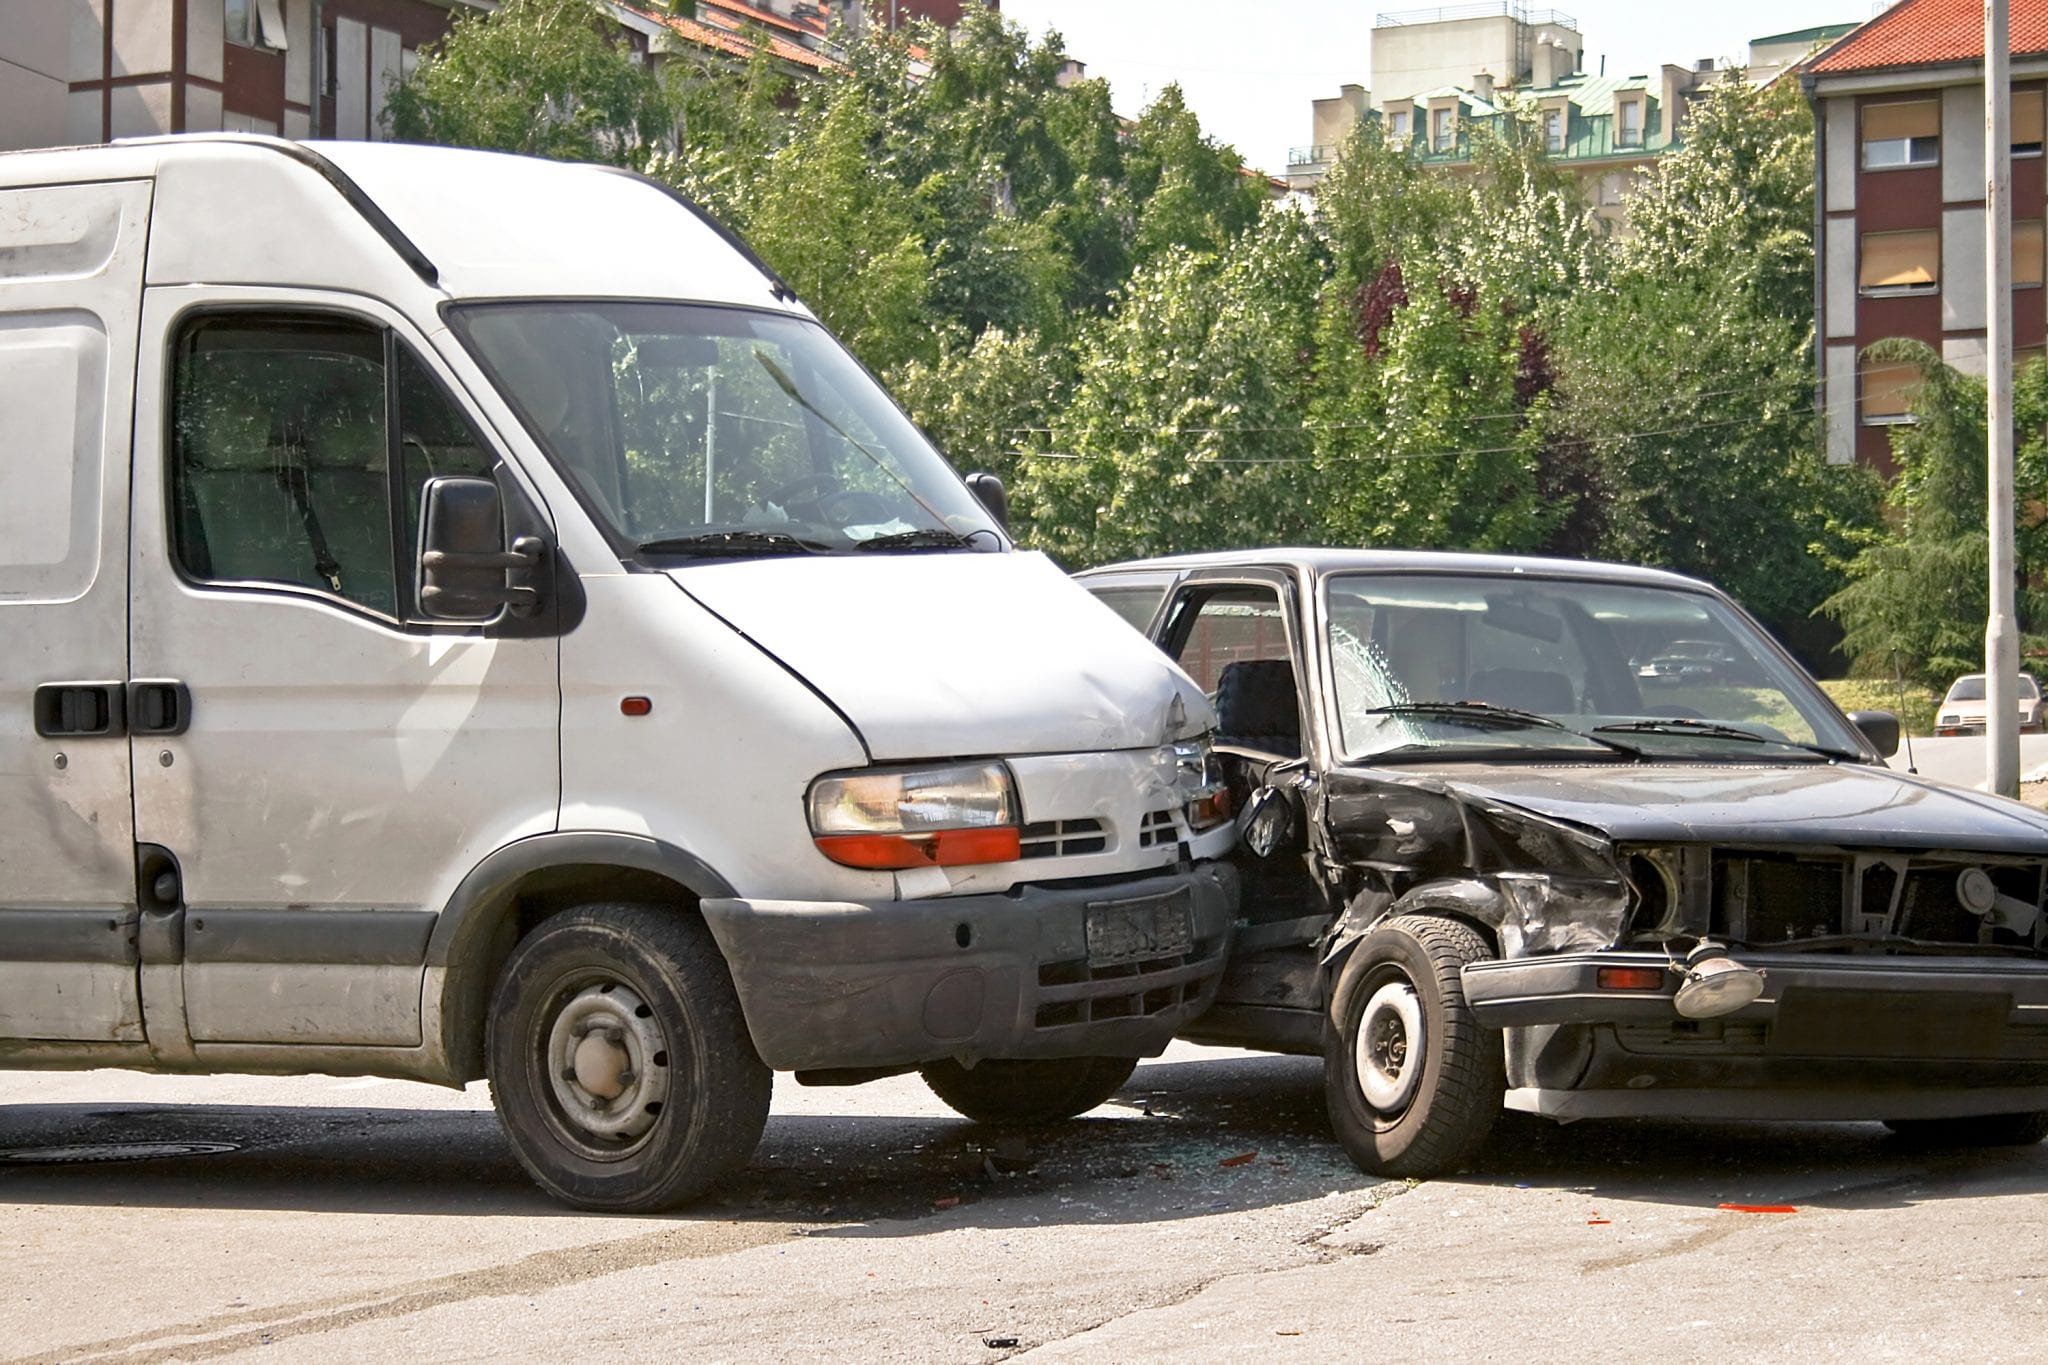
<point>931,538</point>
<point>736,543</point>
<point>1484,715</point>
<point>1713,729</point>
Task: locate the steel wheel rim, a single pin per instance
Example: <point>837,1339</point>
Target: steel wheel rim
<point>606,1064</point>
<point>1390,1047</point>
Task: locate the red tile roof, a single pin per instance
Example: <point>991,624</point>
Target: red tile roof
<point>733,43</point>
<point>1931,32</point>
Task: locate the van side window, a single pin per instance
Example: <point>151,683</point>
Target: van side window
<point>278,457</point>
<point>282,455</point>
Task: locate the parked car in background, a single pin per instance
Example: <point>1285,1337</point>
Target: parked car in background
<point>1487,862</point>
<point>1963,710</point>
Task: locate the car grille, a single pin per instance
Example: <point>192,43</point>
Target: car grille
<point>1062,839</point>
<point>1764,898</point>
<point>1156,829</point>
<point>1075,993</point>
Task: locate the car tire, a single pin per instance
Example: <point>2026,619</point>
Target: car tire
<point>1405,1105</point>
<point>1981,1130</point>
<point>619,1061</point>
<point>1028,1094</point>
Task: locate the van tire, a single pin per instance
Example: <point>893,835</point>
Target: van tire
<point>1417,1095</point>
<point>634,1002</point>
<point>1028,1094</point>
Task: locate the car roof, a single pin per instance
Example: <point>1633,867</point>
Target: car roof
<point>1325,561</point>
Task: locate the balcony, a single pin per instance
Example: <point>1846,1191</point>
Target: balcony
<point>1310,160</point>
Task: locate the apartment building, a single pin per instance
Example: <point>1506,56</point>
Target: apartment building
<point>83,71</point>
<point>1440,75</point>
<point>1900,175</point>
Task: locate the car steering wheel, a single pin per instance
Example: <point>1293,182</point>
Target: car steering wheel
<point>829,501</point>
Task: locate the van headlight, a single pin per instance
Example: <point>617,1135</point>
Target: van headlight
<point>916,817</point>
<point>1205,797</point>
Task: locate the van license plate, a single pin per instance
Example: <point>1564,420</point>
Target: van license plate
<point>1144,927</point>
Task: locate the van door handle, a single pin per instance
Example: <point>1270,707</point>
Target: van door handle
<point>159,708</point>
<point>80,710</point>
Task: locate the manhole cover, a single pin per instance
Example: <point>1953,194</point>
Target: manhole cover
<point>109,1151</point>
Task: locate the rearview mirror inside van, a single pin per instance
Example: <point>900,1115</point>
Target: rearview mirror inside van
<point>464,562</point>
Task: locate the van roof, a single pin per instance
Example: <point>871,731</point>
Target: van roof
<point>235,208</point>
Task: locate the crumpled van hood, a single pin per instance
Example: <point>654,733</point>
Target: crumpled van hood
<point>954,655</point>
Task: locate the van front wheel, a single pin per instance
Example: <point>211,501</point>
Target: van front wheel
<point>619,1061</point>
<point>1027,1094</point>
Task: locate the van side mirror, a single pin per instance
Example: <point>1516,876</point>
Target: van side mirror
<point>988,490</point>
<point>1881,728</point>
<point>466,572</point>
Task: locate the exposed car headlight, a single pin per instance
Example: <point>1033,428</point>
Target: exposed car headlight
<point>916,817</point>
<point>1205,796</point>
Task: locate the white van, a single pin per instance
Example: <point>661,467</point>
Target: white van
<point>460,616</point>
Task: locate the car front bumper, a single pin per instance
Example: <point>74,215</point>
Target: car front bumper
<point>1833,1036</point>
<point>1108,969</point>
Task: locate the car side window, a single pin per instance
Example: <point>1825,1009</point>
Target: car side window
<point>1135,605</point>
<point>281,460</point>
<point>1212,630</point>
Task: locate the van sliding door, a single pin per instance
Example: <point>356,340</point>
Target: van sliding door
<point>71,260</point>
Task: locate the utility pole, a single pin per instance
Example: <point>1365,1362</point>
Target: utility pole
<point>2001,632</point>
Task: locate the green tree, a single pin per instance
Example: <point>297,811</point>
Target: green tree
<point>1687,371</point>
<point>545,77</point>
<point>1919,596</point>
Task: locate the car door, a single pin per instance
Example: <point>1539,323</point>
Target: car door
<point>71,259</point>
<point>319,764</point>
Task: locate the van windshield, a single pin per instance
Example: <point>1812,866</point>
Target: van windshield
<point>697,430</point>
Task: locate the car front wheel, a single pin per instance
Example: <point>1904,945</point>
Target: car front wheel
<point>619,1062</point>
<point>1413,1081</point>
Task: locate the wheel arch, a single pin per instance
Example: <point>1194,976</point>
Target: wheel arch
<point>525,882</point>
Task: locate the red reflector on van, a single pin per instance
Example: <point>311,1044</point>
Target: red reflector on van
<point>636,706</point>
<point>1631,978</point>
<point>946,848</point>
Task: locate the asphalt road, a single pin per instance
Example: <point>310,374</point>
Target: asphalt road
<point>1960,761</point>
<point>1203,1213</point>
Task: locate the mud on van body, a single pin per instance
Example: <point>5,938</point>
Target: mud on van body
<point>449,635</point>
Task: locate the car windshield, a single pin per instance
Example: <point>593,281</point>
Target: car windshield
<point>1428,663</point>
<point>1970,687</point>
<point>689,429</point>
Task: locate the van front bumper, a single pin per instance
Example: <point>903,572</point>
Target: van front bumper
<point>1110,969</point>
<point>1832,1037</point>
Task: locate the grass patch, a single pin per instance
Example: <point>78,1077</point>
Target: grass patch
<point>1882,694</point>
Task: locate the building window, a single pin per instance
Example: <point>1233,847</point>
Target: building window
<point>1553,130</point>
<point>1629,123</point>
<point>1441,128</point>
<point>2026,254</point>
<point>1885,391</point>
<point>1899,263</point>
<point>255,23</point>
<point>1613,186</point>
<point>1900,135</point>
<point>1397,127</point>
<point>2026,122</point>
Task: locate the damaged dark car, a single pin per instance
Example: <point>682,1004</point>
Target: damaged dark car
<point>1490,863</point>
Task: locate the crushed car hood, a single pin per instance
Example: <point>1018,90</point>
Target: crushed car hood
<point>1759,803</point>
<point>957,654</point>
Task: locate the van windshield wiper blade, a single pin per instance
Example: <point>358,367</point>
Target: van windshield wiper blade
<point>736,543</point>
<point>930,538</point>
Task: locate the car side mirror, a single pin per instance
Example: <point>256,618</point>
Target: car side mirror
<point>1881,728</point>
<point>466,572</point>
<point>1265,823</point>
<point>988,490</point>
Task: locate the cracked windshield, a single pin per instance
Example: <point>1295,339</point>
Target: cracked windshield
<point>718,431</point>
<point>1424,664</point>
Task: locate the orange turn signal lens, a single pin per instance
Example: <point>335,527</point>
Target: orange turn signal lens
<point>1631,978</point>
<point>1209,811</point>
<point>943,848</point>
